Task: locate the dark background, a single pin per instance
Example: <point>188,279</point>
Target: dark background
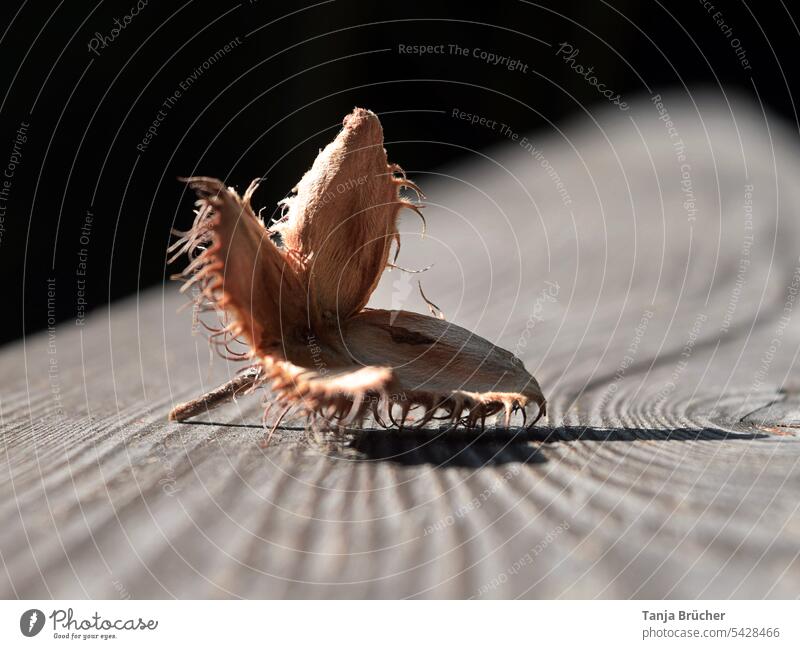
<point>266,107</point>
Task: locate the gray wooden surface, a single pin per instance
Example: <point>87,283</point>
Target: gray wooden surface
<point>667,467</point>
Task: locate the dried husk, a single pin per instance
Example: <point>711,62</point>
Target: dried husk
<point>300,306</point>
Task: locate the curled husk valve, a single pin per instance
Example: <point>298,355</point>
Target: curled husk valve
<point>299,304</point>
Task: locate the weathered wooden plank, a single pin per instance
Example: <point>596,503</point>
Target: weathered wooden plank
<point>668,466</point>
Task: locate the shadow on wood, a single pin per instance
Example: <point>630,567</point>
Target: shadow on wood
<point>448,447</point>
<point>458,447</point>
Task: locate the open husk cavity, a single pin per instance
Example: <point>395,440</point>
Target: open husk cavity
<point>295,294</point>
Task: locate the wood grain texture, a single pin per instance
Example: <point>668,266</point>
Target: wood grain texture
<point>658,316</point>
